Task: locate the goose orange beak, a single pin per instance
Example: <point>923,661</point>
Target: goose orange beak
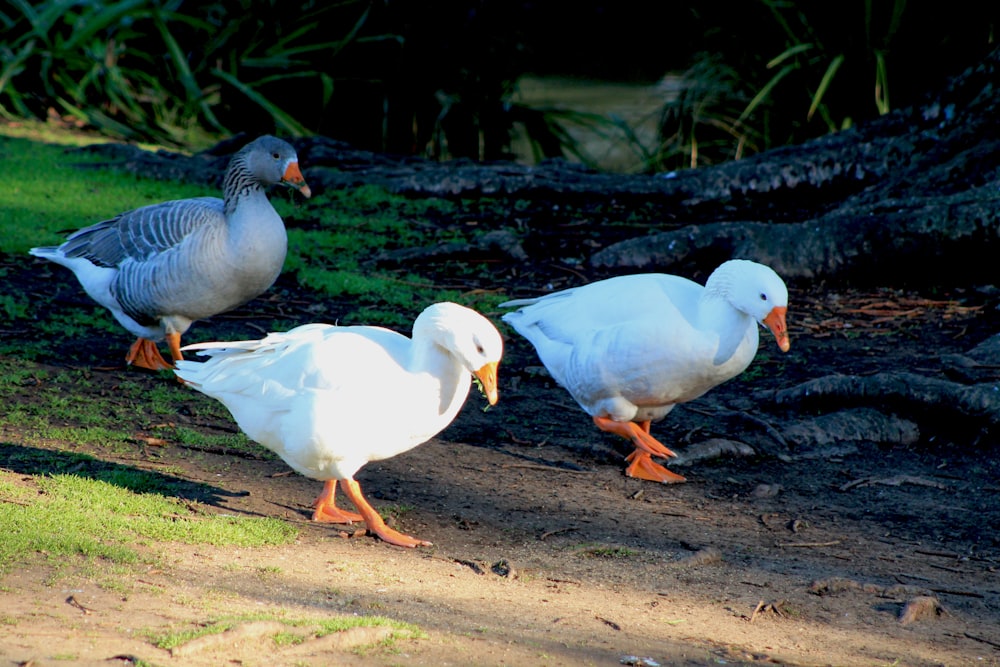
<point>487,376</point>
<point>293,177</point>
<point>775,321</point>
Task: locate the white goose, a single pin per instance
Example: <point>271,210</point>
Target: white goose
<point>328,399</point>
<point>158,268</point>
<point>630,348</point>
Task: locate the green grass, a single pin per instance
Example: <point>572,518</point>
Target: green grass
<point>66,516</point>
<point>608,552</point>
<point>234,443</point>
<point>333,257</point>
<point>308,628</point>
<point>44,193</point>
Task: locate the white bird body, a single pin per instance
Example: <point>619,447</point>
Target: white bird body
<point>160,267</point>
<point>629,348</point>
<point>328,399</point>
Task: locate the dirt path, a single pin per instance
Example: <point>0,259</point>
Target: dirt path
<point>545,554</point>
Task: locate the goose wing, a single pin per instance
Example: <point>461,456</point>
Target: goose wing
<point>143,232</point>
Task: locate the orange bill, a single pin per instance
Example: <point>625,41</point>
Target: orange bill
<point>487,376</point>
<point>293,176</point>
<point>775,321</point>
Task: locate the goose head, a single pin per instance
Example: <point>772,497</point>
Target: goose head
<point>273,161</point>
<point>468,337</point>
<point>756,290</point>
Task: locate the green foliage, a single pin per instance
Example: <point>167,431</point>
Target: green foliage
<point>807,69</point>
<point>13,307</point>
<point>393,76</point>
<point>613,553</point>
<point>169,70</point>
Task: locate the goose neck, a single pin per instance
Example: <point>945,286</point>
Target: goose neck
<point>239,184</point>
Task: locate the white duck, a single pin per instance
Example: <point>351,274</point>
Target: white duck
<point>328,399</point>
<point>630,348</point>
<point>159,267</point>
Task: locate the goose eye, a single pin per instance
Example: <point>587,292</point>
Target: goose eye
<point>763,297</point>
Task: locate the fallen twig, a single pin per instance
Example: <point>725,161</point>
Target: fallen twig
<point>951,591</point>
<point>546,468</point>
<point>946,568</point>
<point>76,603</point>
<point>610,624</point>
<point>557,531</point>
<point>942,554</point>
<point>898,480</point>
<point>809,545</point>
<point>982,639</point>
<point>521,441</point>
<point>471,564</point>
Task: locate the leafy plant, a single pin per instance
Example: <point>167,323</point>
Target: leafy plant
<point>167,70</point>
<point>807,69</point>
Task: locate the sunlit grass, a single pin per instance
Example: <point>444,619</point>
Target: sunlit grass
<point>65,515</point>
<point>228,442</point>
<point>307,628</point>
<point>46,193</point>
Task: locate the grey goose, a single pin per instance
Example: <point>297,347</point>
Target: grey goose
<point>160,267</point>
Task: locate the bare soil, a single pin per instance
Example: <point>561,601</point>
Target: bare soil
<point>858,552</point>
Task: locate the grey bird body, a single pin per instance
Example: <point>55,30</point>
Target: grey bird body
<point>160,267</point>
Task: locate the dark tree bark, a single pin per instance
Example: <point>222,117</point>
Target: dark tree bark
<point>908,199</point>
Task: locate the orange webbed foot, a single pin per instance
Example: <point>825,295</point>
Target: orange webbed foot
<point>326,509</point>
<point>144,354</point>
<point>374,522</point>
<point>642,466</point>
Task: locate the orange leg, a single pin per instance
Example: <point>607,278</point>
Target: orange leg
<point>374,522</point>
<point>144,354</point>
<point>641,464</point>
<point>637,433</point>
<point>326,506</point>
<point>174,343</point>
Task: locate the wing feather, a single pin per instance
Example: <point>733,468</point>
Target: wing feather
<point>143,232</point>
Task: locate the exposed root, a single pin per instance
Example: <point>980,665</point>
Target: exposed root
<point>909,393</point>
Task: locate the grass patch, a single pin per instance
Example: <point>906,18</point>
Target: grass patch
<point>234,443</point>
<point>62,516</point>
<point>612,553</point>
<point>313,628</point>
<point>55,195</point>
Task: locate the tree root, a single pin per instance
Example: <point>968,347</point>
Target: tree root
<point>907,393</point>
